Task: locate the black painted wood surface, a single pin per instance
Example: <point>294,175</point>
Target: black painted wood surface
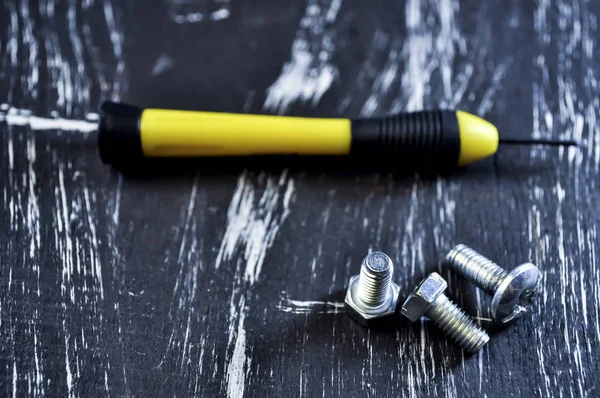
<point>202,283</point>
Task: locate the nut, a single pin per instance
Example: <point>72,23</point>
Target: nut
<point>366,315</point>
<point>419,301</point>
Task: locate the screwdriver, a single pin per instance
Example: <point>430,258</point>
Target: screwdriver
<point>441,140</point>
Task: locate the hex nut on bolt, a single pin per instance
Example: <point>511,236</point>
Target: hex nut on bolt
<point>512,292</point>
<point>428,299</point>
<point>372,295</point>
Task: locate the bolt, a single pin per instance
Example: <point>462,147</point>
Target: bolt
<point>372,295</point>
<point>512,292</point>
<point>429,299</point>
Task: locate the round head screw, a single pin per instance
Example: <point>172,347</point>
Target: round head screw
<point>514,295</point>
<point>428,299</point>
<point>372,294</point>
<point>512,292</point>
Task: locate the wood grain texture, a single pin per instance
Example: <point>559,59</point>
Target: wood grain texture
<point>231,284</point>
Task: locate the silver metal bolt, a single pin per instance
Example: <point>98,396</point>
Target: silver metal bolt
<point>372,294</point>
<point>428,299</point>
<point>512,292</point>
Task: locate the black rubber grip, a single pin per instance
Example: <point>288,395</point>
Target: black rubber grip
<point>119,139</point>
<point>425,139</point>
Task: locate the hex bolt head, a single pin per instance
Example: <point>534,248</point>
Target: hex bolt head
<point>372,294</point>
<point>428,300</point>
<point>512,292</point>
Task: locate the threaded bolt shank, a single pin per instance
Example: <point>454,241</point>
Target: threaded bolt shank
<point>375,278</point>
<point>480,270</point>
<point>457,324</point>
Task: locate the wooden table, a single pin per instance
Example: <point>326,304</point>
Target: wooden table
<point>232,283</point>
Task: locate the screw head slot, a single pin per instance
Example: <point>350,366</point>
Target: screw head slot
<point>514,295</point>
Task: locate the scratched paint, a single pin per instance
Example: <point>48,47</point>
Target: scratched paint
<point>115,27</point>
<point>563,107</point>
<point>23,117</point>
<point>309,73</point>
<point>239,291</point>
<point>254,228</point>
<point>236,369</point>
<point>182,310</point>
<point>195,11</point>
<point>47,43</point>
<point>303,307</point>
<point>253,223</point>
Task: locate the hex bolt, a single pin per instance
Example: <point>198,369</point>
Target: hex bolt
<point>428,299</point>
<point>512,292</point>
<point>372,294</point>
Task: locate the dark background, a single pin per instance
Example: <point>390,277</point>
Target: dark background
<point>204,283</point>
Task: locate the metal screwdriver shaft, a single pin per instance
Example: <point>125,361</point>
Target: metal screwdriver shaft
<point>537,141</point>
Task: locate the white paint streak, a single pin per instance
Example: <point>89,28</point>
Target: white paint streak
<point>309,73</point>
<point>183,311</point>
<point>69,379</point>
<point>565,106</point>
<point>412,244</point>
<point>305,307</point>
<point>236,370</point>
<point>11,156</point>
<point>23,117</point>
<point>417,51</point>
<point>80,80</point>
<point>12,47</point>
<point>94,252</point>
<point>446,43</point>
<point>382,84</point>
<point>48,37</point>
<point>162,64</point>
<point>190,11</point>
<point>29,42</point>
<point>33,211</point>
<point>117,207</point>
<point>15,379</point>
<point>116,38</point>
<point>66,244</point>
<point>253,222</point>
<point>187,224</point>
<point>219,15</point>
<point>39,378</point>
<point>489,97</point>
<point>59,68</point>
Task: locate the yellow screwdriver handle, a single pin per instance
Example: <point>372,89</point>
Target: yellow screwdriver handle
<point>439,139</point>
